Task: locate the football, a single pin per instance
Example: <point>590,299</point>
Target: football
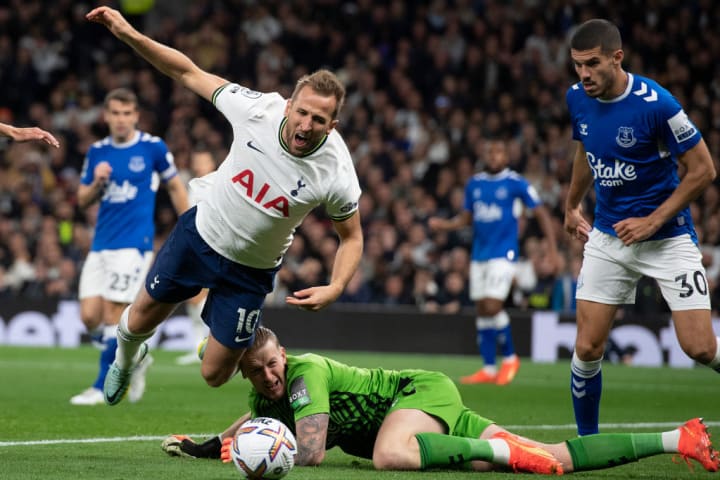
<point>263,448</point>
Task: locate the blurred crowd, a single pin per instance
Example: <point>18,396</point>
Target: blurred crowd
<point>427,81</point>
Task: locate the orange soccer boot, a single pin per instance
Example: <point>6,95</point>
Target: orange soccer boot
<point>508,369</point>
<point>525,457</point>
<point>695,443</point>
<point>481,376</point>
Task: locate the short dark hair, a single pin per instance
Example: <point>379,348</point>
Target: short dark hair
<point>123,95</point>
<point>326,84</point>
<point>597,33</point>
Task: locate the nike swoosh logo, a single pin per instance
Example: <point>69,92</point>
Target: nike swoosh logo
<point>111,398</point>
<point>250,144</point>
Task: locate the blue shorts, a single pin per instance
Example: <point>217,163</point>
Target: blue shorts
<point>186,264</point>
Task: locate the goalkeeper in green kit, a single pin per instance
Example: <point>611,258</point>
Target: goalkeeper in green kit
<point>414,420</point>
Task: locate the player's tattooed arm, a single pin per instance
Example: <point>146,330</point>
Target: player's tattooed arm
<point>311,433</point>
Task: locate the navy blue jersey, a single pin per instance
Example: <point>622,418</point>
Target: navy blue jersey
<point>127,207</point>
<point>632,144</point>
<point>496,201</point>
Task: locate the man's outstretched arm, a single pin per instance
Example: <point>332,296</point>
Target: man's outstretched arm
<point>169,61</point>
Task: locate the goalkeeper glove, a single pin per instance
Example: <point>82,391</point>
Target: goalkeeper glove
<point>184,446</point>
<point>225,455</point>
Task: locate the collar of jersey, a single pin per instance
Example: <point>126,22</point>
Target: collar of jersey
<point>495,176</point>
<point>135,138</point>
<point>285,146</point>
<point>624,94</point>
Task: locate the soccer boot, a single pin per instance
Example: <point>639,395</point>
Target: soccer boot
<point>508,369</point>
<point>481,376</point>
<point>189,358</point>
<point>201,348</point>
<point>525,457</point>
<point>91,396</point>
<point>118,380</point>
<point>137,380</point>
<point>695,443</point>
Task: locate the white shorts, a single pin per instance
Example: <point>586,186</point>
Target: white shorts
<point>611,270</point>
<point>114,275</point>
<point>491,279</point>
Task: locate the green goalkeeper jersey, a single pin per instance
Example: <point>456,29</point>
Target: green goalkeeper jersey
<point>357,399</point>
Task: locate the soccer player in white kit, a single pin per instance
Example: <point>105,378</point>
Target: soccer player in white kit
<point>631,134</point>
<point>286,159</point>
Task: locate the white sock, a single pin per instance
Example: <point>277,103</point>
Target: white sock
<point>128,343</point>
<point>670,441</point>
<point>715,362</point>
<point>584,369</point>
<point>109,331</point>
<point>501,451</point>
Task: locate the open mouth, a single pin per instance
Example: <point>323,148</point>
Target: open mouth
<point>275,389</point>
<point>301,140</point>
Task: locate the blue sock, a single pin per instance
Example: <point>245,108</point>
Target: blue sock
<point>107,356</point>
<point>486,338</point>
<point>586,389</point>
<point>504,339</point>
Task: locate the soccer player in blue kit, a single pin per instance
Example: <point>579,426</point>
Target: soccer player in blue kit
<point>631,134</point>
<point>493,203</point>
<point>123,172</point>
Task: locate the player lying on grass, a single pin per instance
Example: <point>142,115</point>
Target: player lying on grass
<point>412,420</point>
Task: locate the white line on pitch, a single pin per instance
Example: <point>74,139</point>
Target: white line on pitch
<point>568,426</point>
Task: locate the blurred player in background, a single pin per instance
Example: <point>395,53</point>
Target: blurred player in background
<point>494,201</point>
<point>631,134</point>
<point>414,420</point>
<point>26,134</point>
<point>285,160</point>
<point>122,172</point>
<point>201,163</point>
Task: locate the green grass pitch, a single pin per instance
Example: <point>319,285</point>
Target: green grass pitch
<point>43,437</point>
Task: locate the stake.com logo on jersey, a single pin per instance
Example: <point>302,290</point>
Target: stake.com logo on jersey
<point>613,175</point>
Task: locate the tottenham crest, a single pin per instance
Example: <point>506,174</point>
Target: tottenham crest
<point>625,137</point>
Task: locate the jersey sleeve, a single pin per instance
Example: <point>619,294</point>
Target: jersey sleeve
<point>309,390</point>
<point>344,195</point>
<point>164,160</point>
<point>676,129</point>
<point>529,194</point>
<point>87,174</point>
<point>468,201</point>
<point>571,99</point>
<point>236,102</point>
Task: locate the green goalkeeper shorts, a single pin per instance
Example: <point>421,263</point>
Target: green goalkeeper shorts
<point>435,394</point>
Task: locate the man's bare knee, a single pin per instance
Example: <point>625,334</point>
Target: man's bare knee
<point>700,353</point>
<point>216,378</point>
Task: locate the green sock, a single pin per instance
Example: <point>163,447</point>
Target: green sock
<point>440,450</point>
<point>604,450</point>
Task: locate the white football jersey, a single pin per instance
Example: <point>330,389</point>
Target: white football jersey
<point>249,208</point>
